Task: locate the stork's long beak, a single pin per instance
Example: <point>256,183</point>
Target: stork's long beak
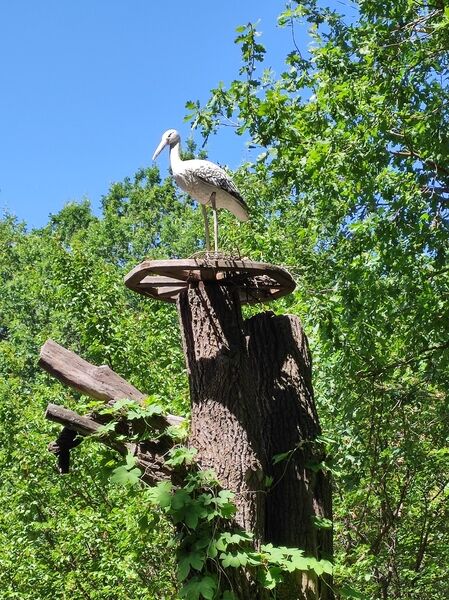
<point>159,148</point>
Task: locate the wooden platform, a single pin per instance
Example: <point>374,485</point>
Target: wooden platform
<point>164,279</point>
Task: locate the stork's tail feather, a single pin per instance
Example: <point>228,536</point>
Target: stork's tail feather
<point>237,207</point>
<point>240,211</point>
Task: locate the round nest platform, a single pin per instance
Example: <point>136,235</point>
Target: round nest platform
<point>165,279</point>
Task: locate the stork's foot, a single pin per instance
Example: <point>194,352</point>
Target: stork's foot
<point>211,255</point>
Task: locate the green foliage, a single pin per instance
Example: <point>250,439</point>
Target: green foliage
<point>82,535</point>
<point>349,188</point>
<point>206,539</point>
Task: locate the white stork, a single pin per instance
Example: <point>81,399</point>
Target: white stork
<point>205,182</point>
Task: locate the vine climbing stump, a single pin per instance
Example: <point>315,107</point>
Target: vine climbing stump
<point>251,401</point>
<point>255,281</point>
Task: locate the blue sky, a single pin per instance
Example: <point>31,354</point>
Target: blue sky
<point>88,86</point>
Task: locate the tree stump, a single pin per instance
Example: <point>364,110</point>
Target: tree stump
<point>252,399</point>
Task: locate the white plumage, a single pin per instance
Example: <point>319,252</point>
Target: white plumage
<point>204,181</point>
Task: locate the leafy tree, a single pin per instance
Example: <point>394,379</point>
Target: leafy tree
<point>350,191</point>
<point>354,168</point>
<point>80,536</point>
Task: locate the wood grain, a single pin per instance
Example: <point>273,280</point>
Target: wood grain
<point>165,279</point>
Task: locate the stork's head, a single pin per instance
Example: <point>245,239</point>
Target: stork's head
<point>169,138</point>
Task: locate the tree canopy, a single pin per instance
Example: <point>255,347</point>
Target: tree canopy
<point>350,191</point>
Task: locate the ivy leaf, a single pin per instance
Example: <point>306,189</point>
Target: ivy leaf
<point>320,566</point>
<point>225,539</point>
<point>127,474</point>
<point>161,494</point>
<point>130,460</point>
<point>121,404</point>
<point>328,567</point>
<point>277,458</point>
<point>233,559</point>
<point>192,516</point>
<point>197,560</point>
<point>123,476</point>
<point>180,499</point>
<point>193,560</point>
<point>268,481</point>
<point>212,550</point>
<point>181,455</point>
<point>106,428</point>
<point>197,587</point>
<point>298,563</point>
<point>223,501</point>
<point>271,577</point>
<point>133,415</point>
<point>322,522</point>
<point>274,554</point>
<point>183,568</point>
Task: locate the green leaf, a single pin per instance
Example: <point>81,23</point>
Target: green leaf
<point>161,494</point>
<point>322,522</point>
<point>181,455</point>
<point>271,577</point>
<point>327,566</point>
<point>299,563</point>
<point>233,559</point>
<point>180,499</point>
<point>183,568</point>
<point>197,588</point>
<point>277,458</point>
<point>106,428</point>
<point>320,566</point>
<point>192,516</point>
<point>268,481</point>
<point>130,460</point>
<point>124,476</point>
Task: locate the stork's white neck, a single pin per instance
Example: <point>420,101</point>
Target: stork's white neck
<point>175,157</point>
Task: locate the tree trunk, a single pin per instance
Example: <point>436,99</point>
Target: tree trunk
<point>252,398</point>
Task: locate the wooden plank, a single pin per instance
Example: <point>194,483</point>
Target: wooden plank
<point>168,292</point>
<point>159,280</point>
<point>101,382</point>
<point>71,419</point>
<point>249,276</point>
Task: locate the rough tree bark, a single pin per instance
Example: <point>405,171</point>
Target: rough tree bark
<point>252,398</point>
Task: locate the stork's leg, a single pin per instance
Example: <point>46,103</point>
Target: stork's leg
<point>206,227</point>
<point>214,210</point>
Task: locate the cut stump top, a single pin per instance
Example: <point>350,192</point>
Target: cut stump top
<point>164,279</point>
